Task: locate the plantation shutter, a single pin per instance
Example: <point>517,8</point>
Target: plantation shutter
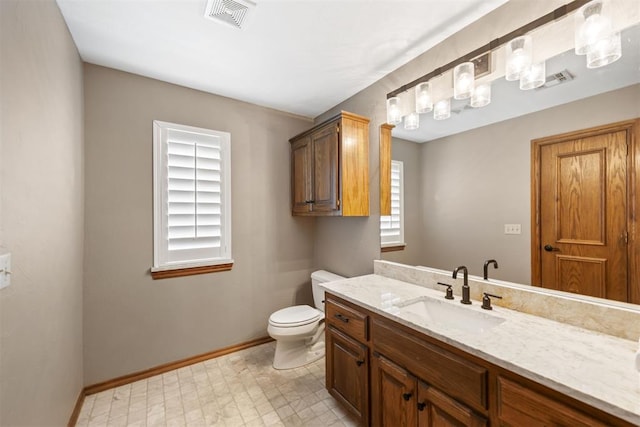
<point>391,227</point>
<point>192,196</point>
<point>194,214</point>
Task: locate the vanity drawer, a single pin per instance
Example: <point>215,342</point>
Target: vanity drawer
<point>457,377</point>
<point>347,319</point>
<point>519,406</point>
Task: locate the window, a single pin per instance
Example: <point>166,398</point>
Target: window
<point>192,200</point>
<point>392,226</point>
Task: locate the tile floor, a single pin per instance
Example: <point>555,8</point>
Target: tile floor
<point>239,389</point>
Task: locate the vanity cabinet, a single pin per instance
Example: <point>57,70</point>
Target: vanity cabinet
<point>330,168</point>
<point>347,358</point>
<point>388,374</point>
<point>401,399</point>
<point>428,385</point>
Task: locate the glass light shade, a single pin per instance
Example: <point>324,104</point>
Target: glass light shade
<point>442,109</point>
<point>481,96</point>
<point>592,24</point>
<point>412,121</point>
<point>604,51</point>
<point>394,116</point>
<point>424,104</point>
<point>518,57</point>
<point>463,80</point>
<point>534,76</point>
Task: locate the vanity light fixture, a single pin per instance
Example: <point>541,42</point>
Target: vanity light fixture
<point>394,116</point>
<point>424,103</point>
<point>442,109</point>
<point>463,80</point>
<point>534,76</point>
<point>481,95</point>
<point>412,121</point>
<point>594,35</point>
<point>519,57</point>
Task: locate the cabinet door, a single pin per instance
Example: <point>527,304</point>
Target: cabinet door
<point>301,175</point>
<point>348,373</point>
<point>393,395</point>
<point>435,409</point>
<point>326,190</point>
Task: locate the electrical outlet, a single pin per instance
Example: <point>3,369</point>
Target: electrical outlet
<point>512,229</point>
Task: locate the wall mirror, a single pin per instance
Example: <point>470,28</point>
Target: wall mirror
<point>467,178</point>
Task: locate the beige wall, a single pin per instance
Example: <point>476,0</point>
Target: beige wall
<point>346,245</point>
<point>475,182</point>
<point>41,220</point>
<point>132,322</point>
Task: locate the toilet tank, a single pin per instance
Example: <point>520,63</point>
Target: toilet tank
<point>317,277</point>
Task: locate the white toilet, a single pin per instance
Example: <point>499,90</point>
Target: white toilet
<point>299,330</point>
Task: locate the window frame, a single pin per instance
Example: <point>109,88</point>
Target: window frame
<point>399,244</point>
<point>162,266</point>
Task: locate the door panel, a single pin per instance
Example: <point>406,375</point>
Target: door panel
<point>394,395</point>
<point>301,178</point>
<point>583,215</point>
<point>325,181</point>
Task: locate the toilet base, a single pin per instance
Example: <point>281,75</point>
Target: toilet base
<point>294,354</point>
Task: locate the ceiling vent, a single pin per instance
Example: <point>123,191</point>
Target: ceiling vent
<point>231,12</point>
<point>556,79</point>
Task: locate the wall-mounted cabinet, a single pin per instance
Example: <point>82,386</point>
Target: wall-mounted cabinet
<point>330,168</point>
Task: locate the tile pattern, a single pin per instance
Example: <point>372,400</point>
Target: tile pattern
<point>239,389</point>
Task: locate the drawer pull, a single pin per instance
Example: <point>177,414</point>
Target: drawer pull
<point>342,318</point>
<point>421,406</point>
<point>359,362</point>
<point>407,396</point>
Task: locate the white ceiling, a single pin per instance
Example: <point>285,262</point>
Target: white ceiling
<point>302,57</point>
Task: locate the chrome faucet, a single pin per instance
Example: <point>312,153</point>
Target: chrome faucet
<point>465,287</point>
<point>486,267</point>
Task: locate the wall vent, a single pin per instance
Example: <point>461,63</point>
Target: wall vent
<point>556,79</point>
<point>230,12</point>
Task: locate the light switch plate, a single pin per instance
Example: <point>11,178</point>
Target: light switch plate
<point>5,270</point>
<point>512,229</point>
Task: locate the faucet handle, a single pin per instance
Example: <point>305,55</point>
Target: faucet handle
<point>449,294</point>
<point>486,301</point>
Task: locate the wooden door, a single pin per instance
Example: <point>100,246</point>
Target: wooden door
<point>582,213</point>
<point>326,190</point>
<point>301,175</point>
<point>348,373</point>
<point>436,409</point>
<point>393,395</point>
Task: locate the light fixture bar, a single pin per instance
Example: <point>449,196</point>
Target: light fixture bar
<point>560,12</point>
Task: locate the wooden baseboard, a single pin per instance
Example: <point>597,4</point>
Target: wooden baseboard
<point>76,410</point>
<point>161,369</point>
<point>137,376</point>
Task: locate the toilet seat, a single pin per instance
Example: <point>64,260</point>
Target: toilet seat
<point>298,315</point>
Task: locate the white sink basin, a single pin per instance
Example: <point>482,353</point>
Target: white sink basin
<point>448,315</point>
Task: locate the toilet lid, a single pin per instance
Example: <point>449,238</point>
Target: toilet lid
<point>297,315</point>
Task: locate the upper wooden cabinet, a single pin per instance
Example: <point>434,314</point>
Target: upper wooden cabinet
<point>330,168</point>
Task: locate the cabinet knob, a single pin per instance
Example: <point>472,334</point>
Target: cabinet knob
<point>421,406</point>
<point>359,362</point>
<point>407,396</point>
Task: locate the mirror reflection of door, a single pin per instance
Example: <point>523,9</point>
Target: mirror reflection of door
<point>582,211</point>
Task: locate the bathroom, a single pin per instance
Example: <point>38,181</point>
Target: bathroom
<point>77,214</point>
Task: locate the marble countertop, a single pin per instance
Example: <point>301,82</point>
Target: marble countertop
<point>595,368</point>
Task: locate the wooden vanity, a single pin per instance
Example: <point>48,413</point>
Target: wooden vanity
<point>388,374</point>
